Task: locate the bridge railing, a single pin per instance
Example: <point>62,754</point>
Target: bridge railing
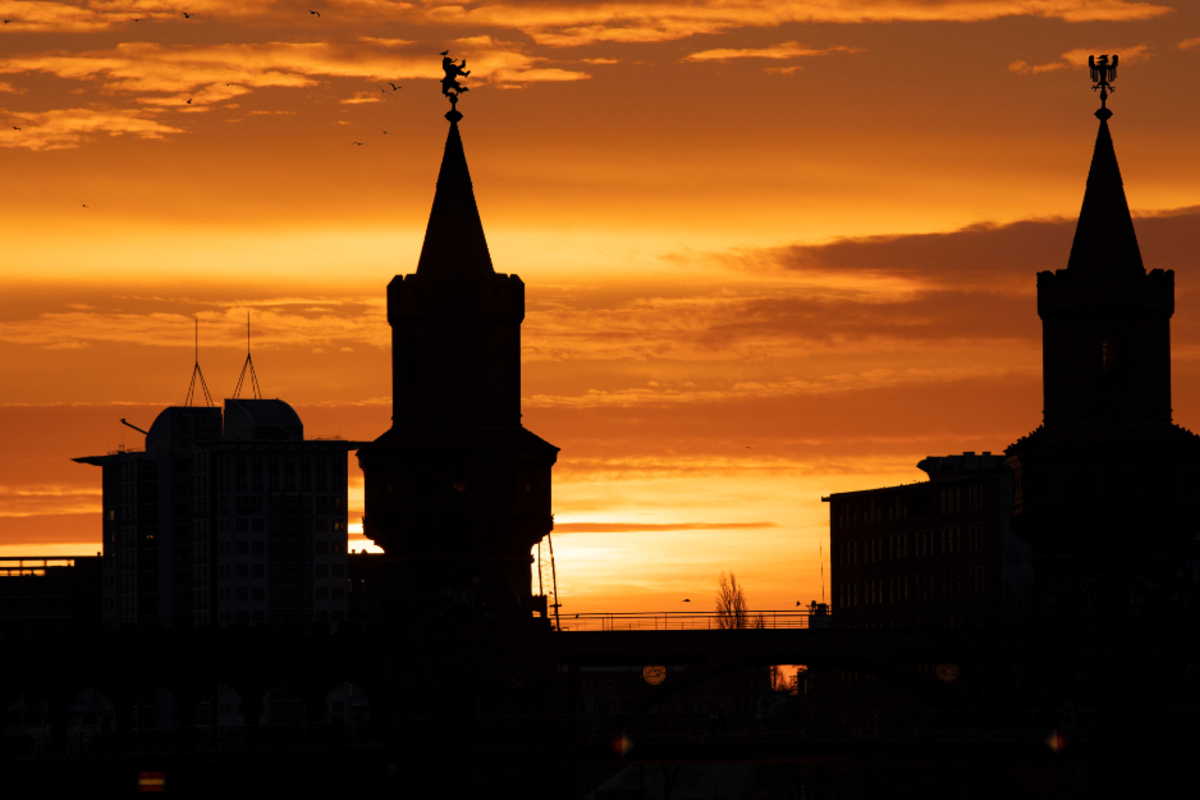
<point>688,620</point>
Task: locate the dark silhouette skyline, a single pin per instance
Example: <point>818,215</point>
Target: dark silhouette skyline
<point>469,679</point>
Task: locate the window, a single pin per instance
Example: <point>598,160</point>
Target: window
<point>1109,361</point>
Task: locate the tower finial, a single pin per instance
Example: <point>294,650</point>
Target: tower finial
<point>450,85</point>
<point>1103,74</point>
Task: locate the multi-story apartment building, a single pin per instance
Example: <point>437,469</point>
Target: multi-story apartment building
<point>935,553</point>
<point>225,518</point>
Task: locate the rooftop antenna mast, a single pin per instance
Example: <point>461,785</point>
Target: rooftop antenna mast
<point>821,558</point>
<point>248,368</point>
<point>196,373</point>
<point>1103,74</point>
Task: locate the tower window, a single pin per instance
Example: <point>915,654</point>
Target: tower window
<point>1108,357</point>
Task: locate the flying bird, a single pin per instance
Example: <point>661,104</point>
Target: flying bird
<point>357,143</point>
<point>444,53</point>
<point>394,86</point>
<point>186,15</point>
<point>189,102</point>
<point>15,128</point>
<point>318,13</point>
<point>385,132</point>
<point>687,599</point>
<point>85,205</point>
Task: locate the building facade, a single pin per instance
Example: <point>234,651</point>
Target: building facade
<point>225,518</point>
<point>936,553</point>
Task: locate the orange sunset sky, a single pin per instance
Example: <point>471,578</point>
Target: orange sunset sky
<point>772,250</point>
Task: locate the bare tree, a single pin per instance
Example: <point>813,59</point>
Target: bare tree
<point>731,603</point>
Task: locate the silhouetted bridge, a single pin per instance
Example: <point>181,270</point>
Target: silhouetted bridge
<point>288,687</point>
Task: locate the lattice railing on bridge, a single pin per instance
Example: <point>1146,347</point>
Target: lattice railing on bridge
<point>686,620</point>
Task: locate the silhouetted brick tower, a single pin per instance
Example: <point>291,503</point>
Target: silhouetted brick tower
<point>457,491</point>
<point>1106,490</point>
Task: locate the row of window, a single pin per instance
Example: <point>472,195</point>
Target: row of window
<point>914,544</point>
<point>291,548</point>
<point>950,500</point>
<point>252,472</point>
<point>258,593</point>
<point>278,571</point>
<point>280,594</point>
<point>951,584</point>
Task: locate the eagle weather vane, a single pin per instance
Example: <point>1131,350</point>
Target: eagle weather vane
<point>450,85</point>
<point>1103,74</point>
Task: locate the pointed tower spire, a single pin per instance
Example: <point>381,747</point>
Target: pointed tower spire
<point>1105,243</point>
<point>1106,338</point>
<point>455,246</point>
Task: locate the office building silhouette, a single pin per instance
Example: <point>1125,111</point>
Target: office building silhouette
<point>225,518</point>
<point>935,553</point>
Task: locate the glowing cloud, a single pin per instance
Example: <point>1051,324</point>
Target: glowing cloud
<point>190,77</point>
<point>276,324</point>
<point>41,499</point>
<point>63,128</point>
<point>1079,58</point>
<point>782,51</point>
<point>1023,68</point>
<point>571,24</point>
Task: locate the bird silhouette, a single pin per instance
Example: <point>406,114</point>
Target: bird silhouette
<point>318,13</point>
<point>189,102</point>
<point>384,132</point>
<point>394,86</point>
<point>85,205</point>
<point>357,143</point>
<point>15,128</point>
<point>444,52</point>
<point>687,599</point>
<point>186,15</point>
